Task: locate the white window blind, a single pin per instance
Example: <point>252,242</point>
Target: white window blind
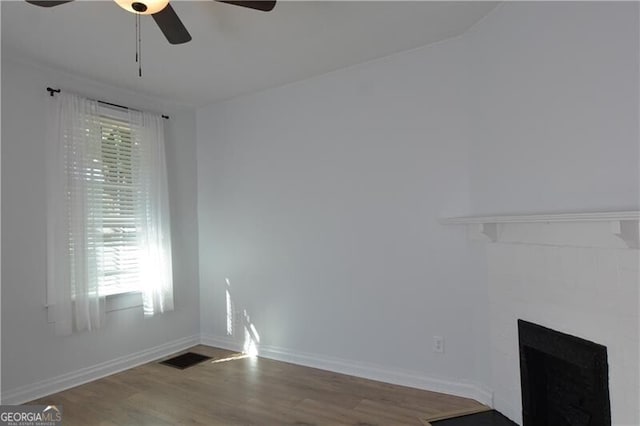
<point>120,253</point>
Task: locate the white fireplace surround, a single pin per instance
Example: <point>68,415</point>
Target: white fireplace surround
<point>572,272</point>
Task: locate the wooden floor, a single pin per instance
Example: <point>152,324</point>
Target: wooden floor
<point>247,391</point>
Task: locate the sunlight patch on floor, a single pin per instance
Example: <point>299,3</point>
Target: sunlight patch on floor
<point>231,358</point>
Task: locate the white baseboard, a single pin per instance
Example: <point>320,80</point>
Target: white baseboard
<point>369,371</point>
<point>364,370</point>
<point>227,343</point>
<point>56,384</point>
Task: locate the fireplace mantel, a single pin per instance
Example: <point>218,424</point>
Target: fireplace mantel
<point>622,224</point>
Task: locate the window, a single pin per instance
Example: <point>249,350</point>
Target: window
<point>108,212</point>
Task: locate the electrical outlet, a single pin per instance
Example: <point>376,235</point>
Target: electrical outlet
<point>438,344</point>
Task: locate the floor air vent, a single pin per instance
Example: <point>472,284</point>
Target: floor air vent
<point>185,360</point>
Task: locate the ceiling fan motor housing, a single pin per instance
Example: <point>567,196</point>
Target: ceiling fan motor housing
<point>139,7</point>
<point>143,7</point>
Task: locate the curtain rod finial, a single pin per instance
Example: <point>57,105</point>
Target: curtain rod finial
<point>52,91</point>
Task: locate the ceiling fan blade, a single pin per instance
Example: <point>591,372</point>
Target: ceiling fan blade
<point>263,5</point>
<point>171,26</point>
<point>48,3</point>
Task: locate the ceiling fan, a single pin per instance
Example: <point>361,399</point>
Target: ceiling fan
<point>164,15</point>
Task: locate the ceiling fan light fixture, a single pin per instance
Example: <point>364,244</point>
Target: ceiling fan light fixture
<point>143,7</point>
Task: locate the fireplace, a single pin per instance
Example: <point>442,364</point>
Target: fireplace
<point>578,273</point>
<point>564,379</point>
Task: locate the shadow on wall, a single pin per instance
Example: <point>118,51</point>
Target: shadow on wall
<point>238,320</point>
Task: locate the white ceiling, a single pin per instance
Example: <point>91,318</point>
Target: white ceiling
<point>234,50</point>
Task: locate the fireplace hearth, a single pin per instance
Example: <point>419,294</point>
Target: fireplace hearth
<point>564,379</point>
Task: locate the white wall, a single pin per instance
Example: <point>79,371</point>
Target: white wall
<point>555,98</point>
<point>34,360</point>
<point>319,201</point>
<point>555,121</point>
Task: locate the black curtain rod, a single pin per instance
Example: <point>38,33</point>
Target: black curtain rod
<point>52,91</point>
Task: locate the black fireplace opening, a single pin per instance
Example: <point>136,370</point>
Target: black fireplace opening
<point>565,379</point>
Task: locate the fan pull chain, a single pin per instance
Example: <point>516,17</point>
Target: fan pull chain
<point>139,48</point>
<point>135,17</point>
<point>138,44</point>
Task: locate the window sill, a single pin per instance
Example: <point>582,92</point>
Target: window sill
<point>117,302</point>
<point>122,301</point>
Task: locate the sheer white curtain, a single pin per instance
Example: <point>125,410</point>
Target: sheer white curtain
<point>74,231</point>
<point>152,212</point>
<point>80,197</point>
